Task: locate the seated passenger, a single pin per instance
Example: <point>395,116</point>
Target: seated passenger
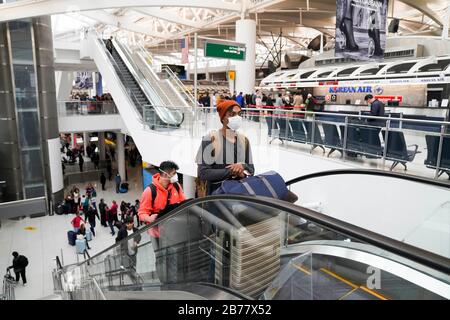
<point>81,235</point>
<point>224,154</point>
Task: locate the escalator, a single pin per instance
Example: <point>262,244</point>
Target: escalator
<point>241,247</point>
<point>146,97</point>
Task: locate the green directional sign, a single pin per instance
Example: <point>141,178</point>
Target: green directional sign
<point>224,51</point>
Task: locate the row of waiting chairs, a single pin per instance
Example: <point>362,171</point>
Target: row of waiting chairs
<point>361,140</point>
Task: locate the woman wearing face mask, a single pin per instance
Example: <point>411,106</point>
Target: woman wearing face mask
<point>164,191</point>
<point>225,153</point>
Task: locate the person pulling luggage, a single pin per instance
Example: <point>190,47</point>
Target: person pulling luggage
<point>19,265</point>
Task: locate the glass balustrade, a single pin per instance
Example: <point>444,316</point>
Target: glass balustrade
<point>86,108</point>
<point>259,248</point>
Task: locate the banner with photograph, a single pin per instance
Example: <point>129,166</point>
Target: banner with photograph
<point>83,80</point>
<point>361,29</point>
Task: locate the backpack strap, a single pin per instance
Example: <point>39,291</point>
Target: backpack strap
<point>215,140</point>
<point>154,193</point>
<point>243,141</point>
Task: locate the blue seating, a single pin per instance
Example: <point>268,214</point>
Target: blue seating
<point>397,150</point>
<point>298,131</point>
<point>332,138</point>
<point>318,141</point>
<point>433,151</point>
<point>370,142</point>
<point>353,146</point>
<point>282,125</point>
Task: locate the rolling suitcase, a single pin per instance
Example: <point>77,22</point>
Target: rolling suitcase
<point>59,209</point>
<point>248,258</point>
<point>71,237</point>
<point>80,246</point>
<point>88,234</point>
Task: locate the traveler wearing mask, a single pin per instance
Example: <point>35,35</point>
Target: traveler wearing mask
<point>162,194</point>
<point>224,154</point>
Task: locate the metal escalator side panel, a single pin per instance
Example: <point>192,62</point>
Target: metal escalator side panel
<point>398,270</point>
<point>171,117</point>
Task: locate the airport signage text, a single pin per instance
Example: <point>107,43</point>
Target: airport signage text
<point>358,89</point>
<point>224,51</point>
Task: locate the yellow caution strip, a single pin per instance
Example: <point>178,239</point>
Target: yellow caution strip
<point>334,275</point>
<point>303,269</point>
<point>354,286</point>
<point>348,293</point>
<point>376,294</point>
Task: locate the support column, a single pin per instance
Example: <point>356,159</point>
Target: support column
<point>189,186</point>
<point>245,70</point>
<point>207,71</point>
<point>446,23</point>
<point>120,151</point>
<point>85,142</point>
<point>74,137</point>
<point>101,146</point>
<point>64,81</point>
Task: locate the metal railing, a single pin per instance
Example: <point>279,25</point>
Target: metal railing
<point>138,106</point>
<point>353,135</point>
<point>86,108</point>
<point>181,87</point>
<point>353,129</point>
<point>127,57</point>
<point>152,77</point>
<point>422,261</point>
<point>8,292</point>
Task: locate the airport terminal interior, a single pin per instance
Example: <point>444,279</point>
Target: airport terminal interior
<point>225,150</point>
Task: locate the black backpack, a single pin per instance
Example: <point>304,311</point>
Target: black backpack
<point>154,193</point>
<point>24,261</point>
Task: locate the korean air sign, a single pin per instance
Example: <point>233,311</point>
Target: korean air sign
<point>358,89</point>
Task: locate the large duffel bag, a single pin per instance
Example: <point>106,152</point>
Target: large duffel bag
<point>268,184</point>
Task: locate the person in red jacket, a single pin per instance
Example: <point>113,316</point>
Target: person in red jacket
<point>76,222</point>
<point>167,191</point>
<point>112,216</point>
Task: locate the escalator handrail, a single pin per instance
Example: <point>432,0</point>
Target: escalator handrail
<point>371,172</point>
<point>129,63</point>
<point>402,249</point>
<point>155,78</point>
<point>96,37</point>
<point>180,84</point>
<point>146,87</point>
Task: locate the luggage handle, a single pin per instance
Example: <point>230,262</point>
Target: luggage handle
<point>266,183</point>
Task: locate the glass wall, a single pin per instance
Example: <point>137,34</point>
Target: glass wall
<point>24,74</point>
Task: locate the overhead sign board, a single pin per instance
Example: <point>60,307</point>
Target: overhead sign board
<point>235,51</point>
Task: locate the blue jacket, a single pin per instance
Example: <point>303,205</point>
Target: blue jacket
<point>118,179</point>
<point>377,108</point>
<point>240,100</point>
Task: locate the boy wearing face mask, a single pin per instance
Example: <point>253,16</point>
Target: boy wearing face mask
<point>224,154</point>
<point>164,191</point>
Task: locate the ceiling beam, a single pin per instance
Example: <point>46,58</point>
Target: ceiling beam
<point>424,7</point>
<point>35,8</point>
<point>167,16</point>
<point>123,22</point>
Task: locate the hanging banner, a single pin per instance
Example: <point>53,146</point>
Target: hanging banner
<point>361,29</point>
<point>83,80</point>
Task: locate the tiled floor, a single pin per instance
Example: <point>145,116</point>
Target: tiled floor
<point>49,239</point>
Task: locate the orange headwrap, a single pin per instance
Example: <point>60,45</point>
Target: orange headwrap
<point>223,107</point>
